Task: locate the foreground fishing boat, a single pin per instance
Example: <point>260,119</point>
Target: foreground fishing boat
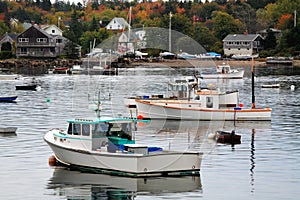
<point>107,145</point>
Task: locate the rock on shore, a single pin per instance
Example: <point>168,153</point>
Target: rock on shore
<point>34,67</point>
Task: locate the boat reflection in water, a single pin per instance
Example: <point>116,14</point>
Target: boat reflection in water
<point>83,186</point>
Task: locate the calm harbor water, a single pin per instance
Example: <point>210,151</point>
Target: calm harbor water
<point>265,165</point>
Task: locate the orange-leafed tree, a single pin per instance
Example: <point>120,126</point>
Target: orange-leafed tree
<point>285,21</point>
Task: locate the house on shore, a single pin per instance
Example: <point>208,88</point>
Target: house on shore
<point>117,24</point>
<point>36,42</point>
<point>8,40</point>
<point>242,44</point>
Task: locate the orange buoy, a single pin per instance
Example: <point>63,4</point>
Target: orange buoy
<point>52,161</point>
<point>140,117</point>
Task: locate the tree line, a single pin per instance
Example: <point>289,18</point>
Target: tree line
<point>206,22</point>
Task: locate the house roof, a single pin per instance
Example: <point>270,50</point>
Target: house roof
<point>13,36</point>
<point>45,27</point>
<point>38,29</point>
<point>120,21</point>
<point>241,37</point>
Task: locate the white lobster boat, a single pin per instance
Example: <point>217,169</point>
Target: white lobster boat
<point>212,105</point>
<point>106,145</point>
<point>224,71</point>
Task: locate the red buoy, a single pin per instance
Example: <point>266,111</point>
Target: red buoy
<point>52,161</point>
<point>140,117</point>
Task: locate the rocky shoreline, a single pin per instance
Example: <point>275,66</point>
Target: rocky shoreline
<point>206,63</point>
<point>38,67</point>
<point>34,67</point>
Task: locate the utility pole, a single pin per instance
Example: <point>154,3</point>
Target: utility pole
<point>170,47</point>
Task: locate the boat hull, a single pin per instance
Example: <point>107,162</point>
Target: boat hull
<point>8,130</point>
<point>26,87</point>
<point>126,164</point>
<point>8,99</point>
<point>152,110</point>
<point>233,75</point>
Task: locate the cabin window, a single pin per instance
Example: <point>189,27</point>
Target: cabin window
<point>70,129</point>
<point>100,129</point>
<point>76,129</point>
<point>85,129</point>
<point>209,102</point>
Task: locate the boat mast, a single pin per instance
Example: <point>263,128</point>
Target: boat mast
<point>252,80</point>
<point>99,106</point>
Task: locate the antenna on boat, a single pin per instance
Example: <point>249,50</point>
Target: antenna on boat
<point>97,106</point>
<point>252,80</point>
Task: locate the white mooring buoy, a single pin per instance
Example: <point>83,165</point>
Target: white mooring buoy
<point>292,87</point>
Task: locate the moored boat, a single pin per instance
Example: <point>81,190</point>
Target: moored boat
<point>8,130</point>
<point>28,84</point>
<point>8,98</point>
<point>280,60</point>
<point>271,85</point>
<point>107,145</point>
<point>209,107</point>
<point>8,77</point>
<point>224,71</point>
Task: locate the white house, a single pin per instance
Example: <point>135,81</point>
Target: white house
<point>117,24</point>
<point>141,43</point>
<point>126,43</point>
<point>242,44</point>
<point>52,29</point>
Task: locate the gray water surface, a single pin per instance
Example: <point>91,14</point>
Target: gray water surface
<point>265,165</point>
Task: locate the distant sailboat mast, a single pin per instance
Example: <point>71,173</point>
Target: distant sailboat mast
<point>129,28</point>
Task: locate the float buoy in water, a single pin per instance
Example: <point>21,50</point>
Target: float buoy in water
<point>292,87</point>
<point>52,161</point>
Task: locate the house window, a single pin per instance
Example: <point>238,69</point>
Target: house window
<point>41,49</point>
<point>41,40</point>
<point>239,48</point>
<point>23,39</point>
<point>53,31</point>
<point>23,50</point>
<point>58,40</point>
<point>228,48</point>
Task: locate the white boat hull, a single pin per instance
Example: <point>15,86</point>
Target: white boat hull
<point>232,75</point>
<point>125,164</point>
<point>152,110</point>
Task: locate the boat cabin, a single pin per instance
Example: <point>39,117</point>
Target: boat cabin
<point>224,69</point>
<point>185,88</point>
<point>216,99</point>
<point>93,135</point>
